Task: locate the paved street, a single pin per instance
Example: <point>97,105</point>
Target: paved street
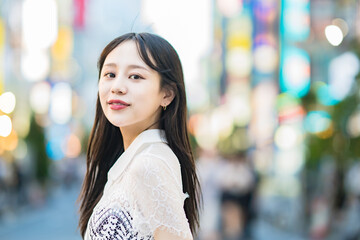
<point>57,219</point>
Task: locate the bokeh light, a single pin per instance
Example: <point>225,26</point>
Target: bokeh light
<point>296,19</point>
<point>57,141</point>
<point>61,103</point>
<point>205,135</point>
<point>263,120</point>
<point>342,24</point>
<point>323,94</point>
<point>229,7</point>
<point>317,121</point>
<point>342,72</point>
<point>5,126</point>
<point>334,35</point>
<point>222,121</point>
<point>63,47</point>
<point>353,125</point>
<point>266,10</point>
<point>21,123</point>
<point>240,30</point>
<point>267,93</point>
<point>289,108</point>
<point>239,62</point>
<point>40,97</point>
<point>54,150</point>
<point>295,73</point>
<point>39,23</point>
<point>72,147</point>
<point>35,65</point>
<point>10,142</point>
<point>265,58</point>
<point>287,137</point>
<point>7,102</point>
<point>289,163</point>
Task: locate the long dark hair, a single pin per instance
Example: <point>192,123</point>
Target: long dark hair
<point>158,54</point>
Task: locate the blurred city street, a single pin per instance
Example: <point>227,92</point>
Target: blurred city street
<point>273,97</point>
<point>56,219</point>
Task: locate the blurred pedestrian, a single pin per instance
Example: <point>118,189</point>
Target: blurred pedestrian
<point>139,159</point>
<point>237,183</point>
<point>351,224</point>
<point>208,165</point>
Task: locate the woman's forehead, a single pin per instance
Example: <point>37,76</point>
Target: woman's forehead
<point>127,53</point>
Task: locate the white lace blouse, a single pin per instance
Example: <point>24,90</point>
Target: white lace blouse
<point>143,193</point>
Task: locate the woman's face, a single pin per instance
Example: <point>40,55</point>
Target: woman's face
<point>129,90</point>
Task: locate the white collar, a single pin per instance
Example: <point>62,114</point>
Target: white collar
<point>143,139</point>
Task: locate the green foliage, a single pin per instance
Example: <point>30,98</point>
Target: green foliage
<point>36,142</point>
<point>340,144</point>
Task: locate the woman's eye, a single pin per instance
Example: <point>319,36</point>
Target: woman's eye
<point>135,76</point>
<point>110,75</point>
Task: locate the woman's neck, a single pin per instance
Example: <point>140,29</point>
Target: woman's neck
<point>129,133</point>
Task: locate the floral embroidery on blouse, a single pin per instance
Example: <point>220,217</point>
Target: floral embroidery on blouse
<point>113,224</point>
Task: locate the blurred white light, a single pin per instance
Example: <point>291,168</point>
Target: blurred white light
<point>7,102</point>
<point>5,126</point>
<point>240,108</point>
<point>61,103</point>
<point>334,35</point>
<point>222,122</point>
<point>40,97</point>
<point>205,134</point>
<point>286,137</point>
<point>263,105</point>
<point>342,72</point>
<point>239,104</point>
<point>265,58</point>
<point>35,65</point>
<point>229,7</point>
<point>294,70</point>
<point>239,62</point>
<point>289,162</point>
<point>39,23</point>
<point>196,24</point>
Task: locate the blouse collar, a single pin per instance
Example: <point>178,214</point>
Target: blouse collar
<point>143,139</point>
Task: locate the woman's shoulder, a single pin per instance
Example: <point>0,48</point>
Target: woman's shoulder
<point>159,151</point>
<point>156,156</point>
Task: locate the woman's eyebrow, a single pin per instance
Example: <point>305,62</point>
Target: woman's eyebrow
<point>132,66</point>
<point>110,65</point>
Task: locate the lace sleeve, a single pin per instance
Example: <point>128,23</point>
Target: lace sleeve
<point>159,197</point>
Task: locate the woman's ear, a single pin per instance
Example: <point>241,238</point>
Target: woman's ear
<point>168,97</point>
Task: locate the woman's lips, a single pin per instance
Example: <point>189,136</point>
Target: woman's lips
<point>116,104</point>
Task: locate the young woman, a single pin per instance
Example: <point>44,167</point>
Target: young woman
<point>141,181</point>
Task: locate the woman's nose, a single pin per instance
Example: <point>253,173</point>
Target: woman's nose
<point>118,86</point>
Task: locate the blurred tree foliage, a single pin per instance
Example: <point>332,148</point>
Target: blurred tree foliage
<point>37,144</point>
<point>339,145</point>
